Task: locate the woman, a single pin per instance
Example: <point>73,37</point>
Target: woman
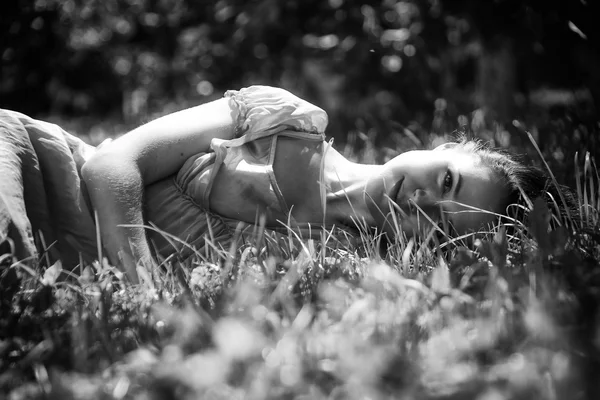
<point>258,154</point>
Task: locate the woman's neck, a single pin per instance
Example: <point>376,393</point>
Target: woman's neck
<point>345,183</point>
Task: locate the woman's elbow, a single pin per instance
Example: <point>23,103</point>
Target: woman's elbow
<point>102,167</point>
<point>89,169</point>
<point>110,172</point>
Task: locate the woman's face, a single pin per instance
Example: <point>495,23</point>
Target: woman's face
<point>436,181</point>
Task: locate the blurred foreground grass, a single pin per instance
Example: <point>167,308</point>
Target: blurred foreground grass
<point>515,316</point>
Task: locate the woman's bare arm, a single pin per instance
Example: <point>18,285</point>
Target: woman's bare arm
<point>118,171</point>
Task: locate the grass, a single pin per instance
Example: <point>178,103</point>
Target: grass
<point>512,316</point>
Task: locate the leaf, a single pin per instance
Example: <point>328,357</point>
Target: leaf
<point>87,276</point>
<point>51,274</point>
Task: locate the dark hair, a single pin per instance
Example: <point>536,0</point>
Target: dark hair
<point>525,183</point>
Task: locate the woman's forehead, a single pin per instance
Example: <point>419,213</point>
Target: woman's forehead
<point>471,165</point>
<point>479,186</point>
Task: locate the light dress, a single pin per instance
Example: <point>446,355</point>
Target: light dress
<point>213,195</point>
<point>44,209</point>
<point>235,182</point>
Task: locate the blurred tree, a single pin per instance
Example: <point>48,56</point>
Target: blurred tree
<point>529,43</point>
<point>379,67</point>
<point>28,49</point>
<point>41,71</point>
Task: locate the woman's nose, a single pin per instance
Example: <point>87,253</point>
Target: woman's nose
<point>420,197</point>
<point>424,198</point>
<point>425,202</point>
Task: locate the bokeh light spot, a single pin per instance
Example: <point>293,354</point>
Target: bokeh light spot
<point>409,50</point>
<point>390,16</point>
<point>151,19</point>
<point>206,61</point>
<point>123,27</point>
<point>392,63</point>
<point>8,54</point>
<point>204,88</point>
<point>328,41</point>
<point>440,104</point>
<point>219,50</point>
<point>261,51</point>
<point>122,66</point>
<point>37,24</point>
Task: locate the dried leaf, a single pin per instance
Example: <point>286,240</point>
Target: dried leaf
<point>87,276</point>
<point>51,274</point>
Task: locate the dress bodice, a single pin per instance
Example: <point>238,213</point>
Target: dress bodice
<point>237,182</point>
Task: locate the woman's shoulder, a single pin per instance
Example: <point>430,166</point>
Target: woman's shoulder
<point>264,108</point>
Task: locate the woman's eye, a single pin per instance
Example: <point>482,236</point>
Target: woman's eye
<point>447,182</point>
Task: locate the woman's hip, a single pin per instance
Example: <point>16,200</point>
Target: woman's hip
<point>40,185</point>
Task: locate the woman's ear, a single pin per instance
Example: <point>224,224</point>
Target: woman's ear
<point>446,146</point>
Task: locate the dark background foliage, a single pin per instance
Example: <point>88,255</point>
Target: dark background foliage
<point>397,74</point>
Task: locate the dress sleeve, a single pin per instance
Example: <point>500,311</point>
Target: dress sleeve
<point>263,108</point>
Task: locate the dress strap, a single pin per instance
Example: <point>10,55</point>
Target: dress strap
<point>274,185</point>
<point>220,146</point>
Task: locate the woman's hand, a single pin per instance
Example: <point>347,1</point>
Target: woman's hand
<point>117,173</point>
